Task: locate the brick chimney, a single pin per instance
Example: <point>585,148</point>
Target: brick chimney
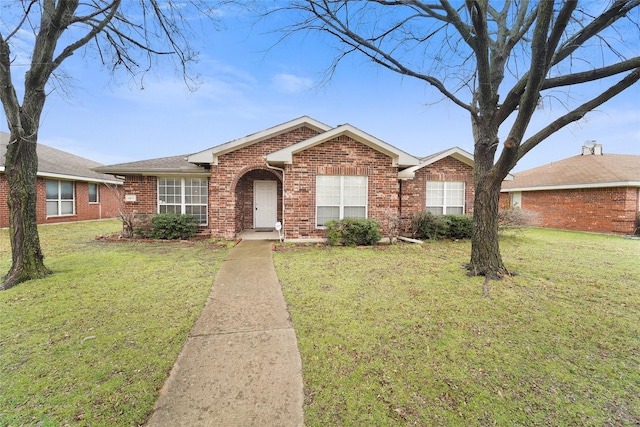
<point>590,148</point>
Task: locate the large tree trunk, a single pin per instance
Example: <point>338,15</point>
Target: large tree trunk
<point>21,166</point>
<point>485,251</point>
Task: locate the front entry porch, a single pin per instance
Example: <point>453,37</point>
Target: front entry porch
<point>259,235</point>
<point>258,197</point>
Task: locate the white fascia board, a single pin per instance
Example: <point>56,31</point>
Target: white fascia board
<point>400,158</point>
<point>77,178</point>
<point>573,186</point>
<point>455,152</point>
<point>211,155</point>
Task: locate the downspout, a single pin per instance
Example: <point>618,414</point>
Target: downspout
<point>284,231</point>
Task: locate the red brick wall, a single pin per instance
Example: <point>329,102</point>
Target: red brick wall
<point>413,191</point>
<point>226,182</point>
<point>107,206</point>
<point>340,156</point>
<point>600,210</point>
<point>145,188</point>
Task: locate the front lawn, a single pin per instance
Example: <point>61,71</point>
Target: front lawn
<point>393,336</point>
<point>93,344</point>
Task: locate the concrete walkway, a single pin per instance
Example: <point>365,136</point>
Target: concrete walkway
<point>240,365</point>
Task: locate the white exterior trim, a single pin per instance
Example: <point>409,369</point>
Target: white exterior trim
<point>210,156</point>
<point>399,157</point>
<point>455,152</point>
<point>573,186</point>
<point>76,178</point>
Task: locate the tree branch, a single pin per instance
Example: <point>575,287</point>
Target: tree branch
<point>579,112</point>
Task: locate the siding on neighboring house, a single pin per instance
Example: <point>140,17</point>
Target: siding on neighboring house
<point>594,192</point>
<point>106,207</point>
<point>609,210</point>
<point>60,166</point>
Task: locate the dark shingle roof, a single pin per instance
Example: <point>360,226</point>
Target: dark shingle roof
<point>173,164</point>
<point>54,162</point>
<point>577,171</point>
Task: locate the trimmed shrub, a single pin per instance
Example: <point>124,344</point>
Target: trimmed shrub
<point>353,232</point>
<point>173,226</point>
<point>426,225</point>
<point>460,226</point>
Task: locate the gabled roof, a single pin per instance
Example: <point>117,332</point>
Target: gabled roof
<point>54,163</point>
<point>399,157</point>
<point>210,156</point>
<point>582,171</point>
<point>174,165</point>
<point>455,152</point>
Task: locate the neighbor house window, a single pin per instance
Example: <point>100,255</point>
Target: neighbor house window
<point>339,197</point>
<point>60,198</point>
<point>93,192</point>
<point>183,196</point>
<point>445,197</point>
<point>516,199</point>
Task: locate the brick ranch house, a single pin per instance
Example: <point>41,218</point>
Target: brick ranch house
<point>301,173</point>
<point>593,192</point>
<point>67,188</point>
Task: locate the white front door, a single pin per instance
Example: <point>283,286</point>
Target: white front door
<point>265,204</point>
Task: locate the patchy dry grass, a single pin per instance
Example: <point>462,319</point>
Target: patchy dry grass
<point>93,343</point>
<point>400,336</point>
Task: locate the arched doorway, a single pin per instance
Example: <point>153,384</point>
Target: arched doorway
<point>258,195</point>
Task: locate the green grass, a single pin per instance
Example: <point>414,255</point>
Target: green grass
<point>395,336</point>
<point>93,343</point>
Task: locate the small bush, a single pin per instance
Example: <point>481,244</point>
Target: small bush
<point>515,219</point>
<point>460,226</point>
<point>142,226</point>
<point>353,232</point>
<point>173,226</point>
<point>426,225</point>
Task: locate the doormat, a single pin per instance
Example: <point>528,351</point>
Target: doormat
<point>262,230</point>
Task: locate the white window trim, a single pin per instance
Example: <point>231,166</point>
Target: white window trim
<point>444,205</point>
<point>59,200</point>
<point>97,193</point>
<point>341,206</point>
<point>183,203</point>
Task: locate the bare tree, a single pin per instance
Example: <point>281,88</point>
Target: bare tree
<point>497,60</point>
<point>127,35</point>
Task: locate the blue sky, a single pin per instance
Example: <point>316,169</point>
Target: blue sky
<point>248,85</point>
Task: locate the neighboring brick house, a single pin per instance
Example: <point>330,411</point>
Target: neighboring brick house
<point>593,192</point>
<point>301,173</point>
<point>67,189</point>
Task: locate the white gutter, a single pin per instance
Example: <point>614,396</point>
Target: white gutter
<point>281,170</point>
<point>573,186</point>
<point>77,178</point>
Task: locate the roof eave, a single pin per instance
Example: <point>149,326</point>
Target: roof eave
<point>573,186</point>
<point>399,157</point>
<point>210,156</point>
<point>153,172</point>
